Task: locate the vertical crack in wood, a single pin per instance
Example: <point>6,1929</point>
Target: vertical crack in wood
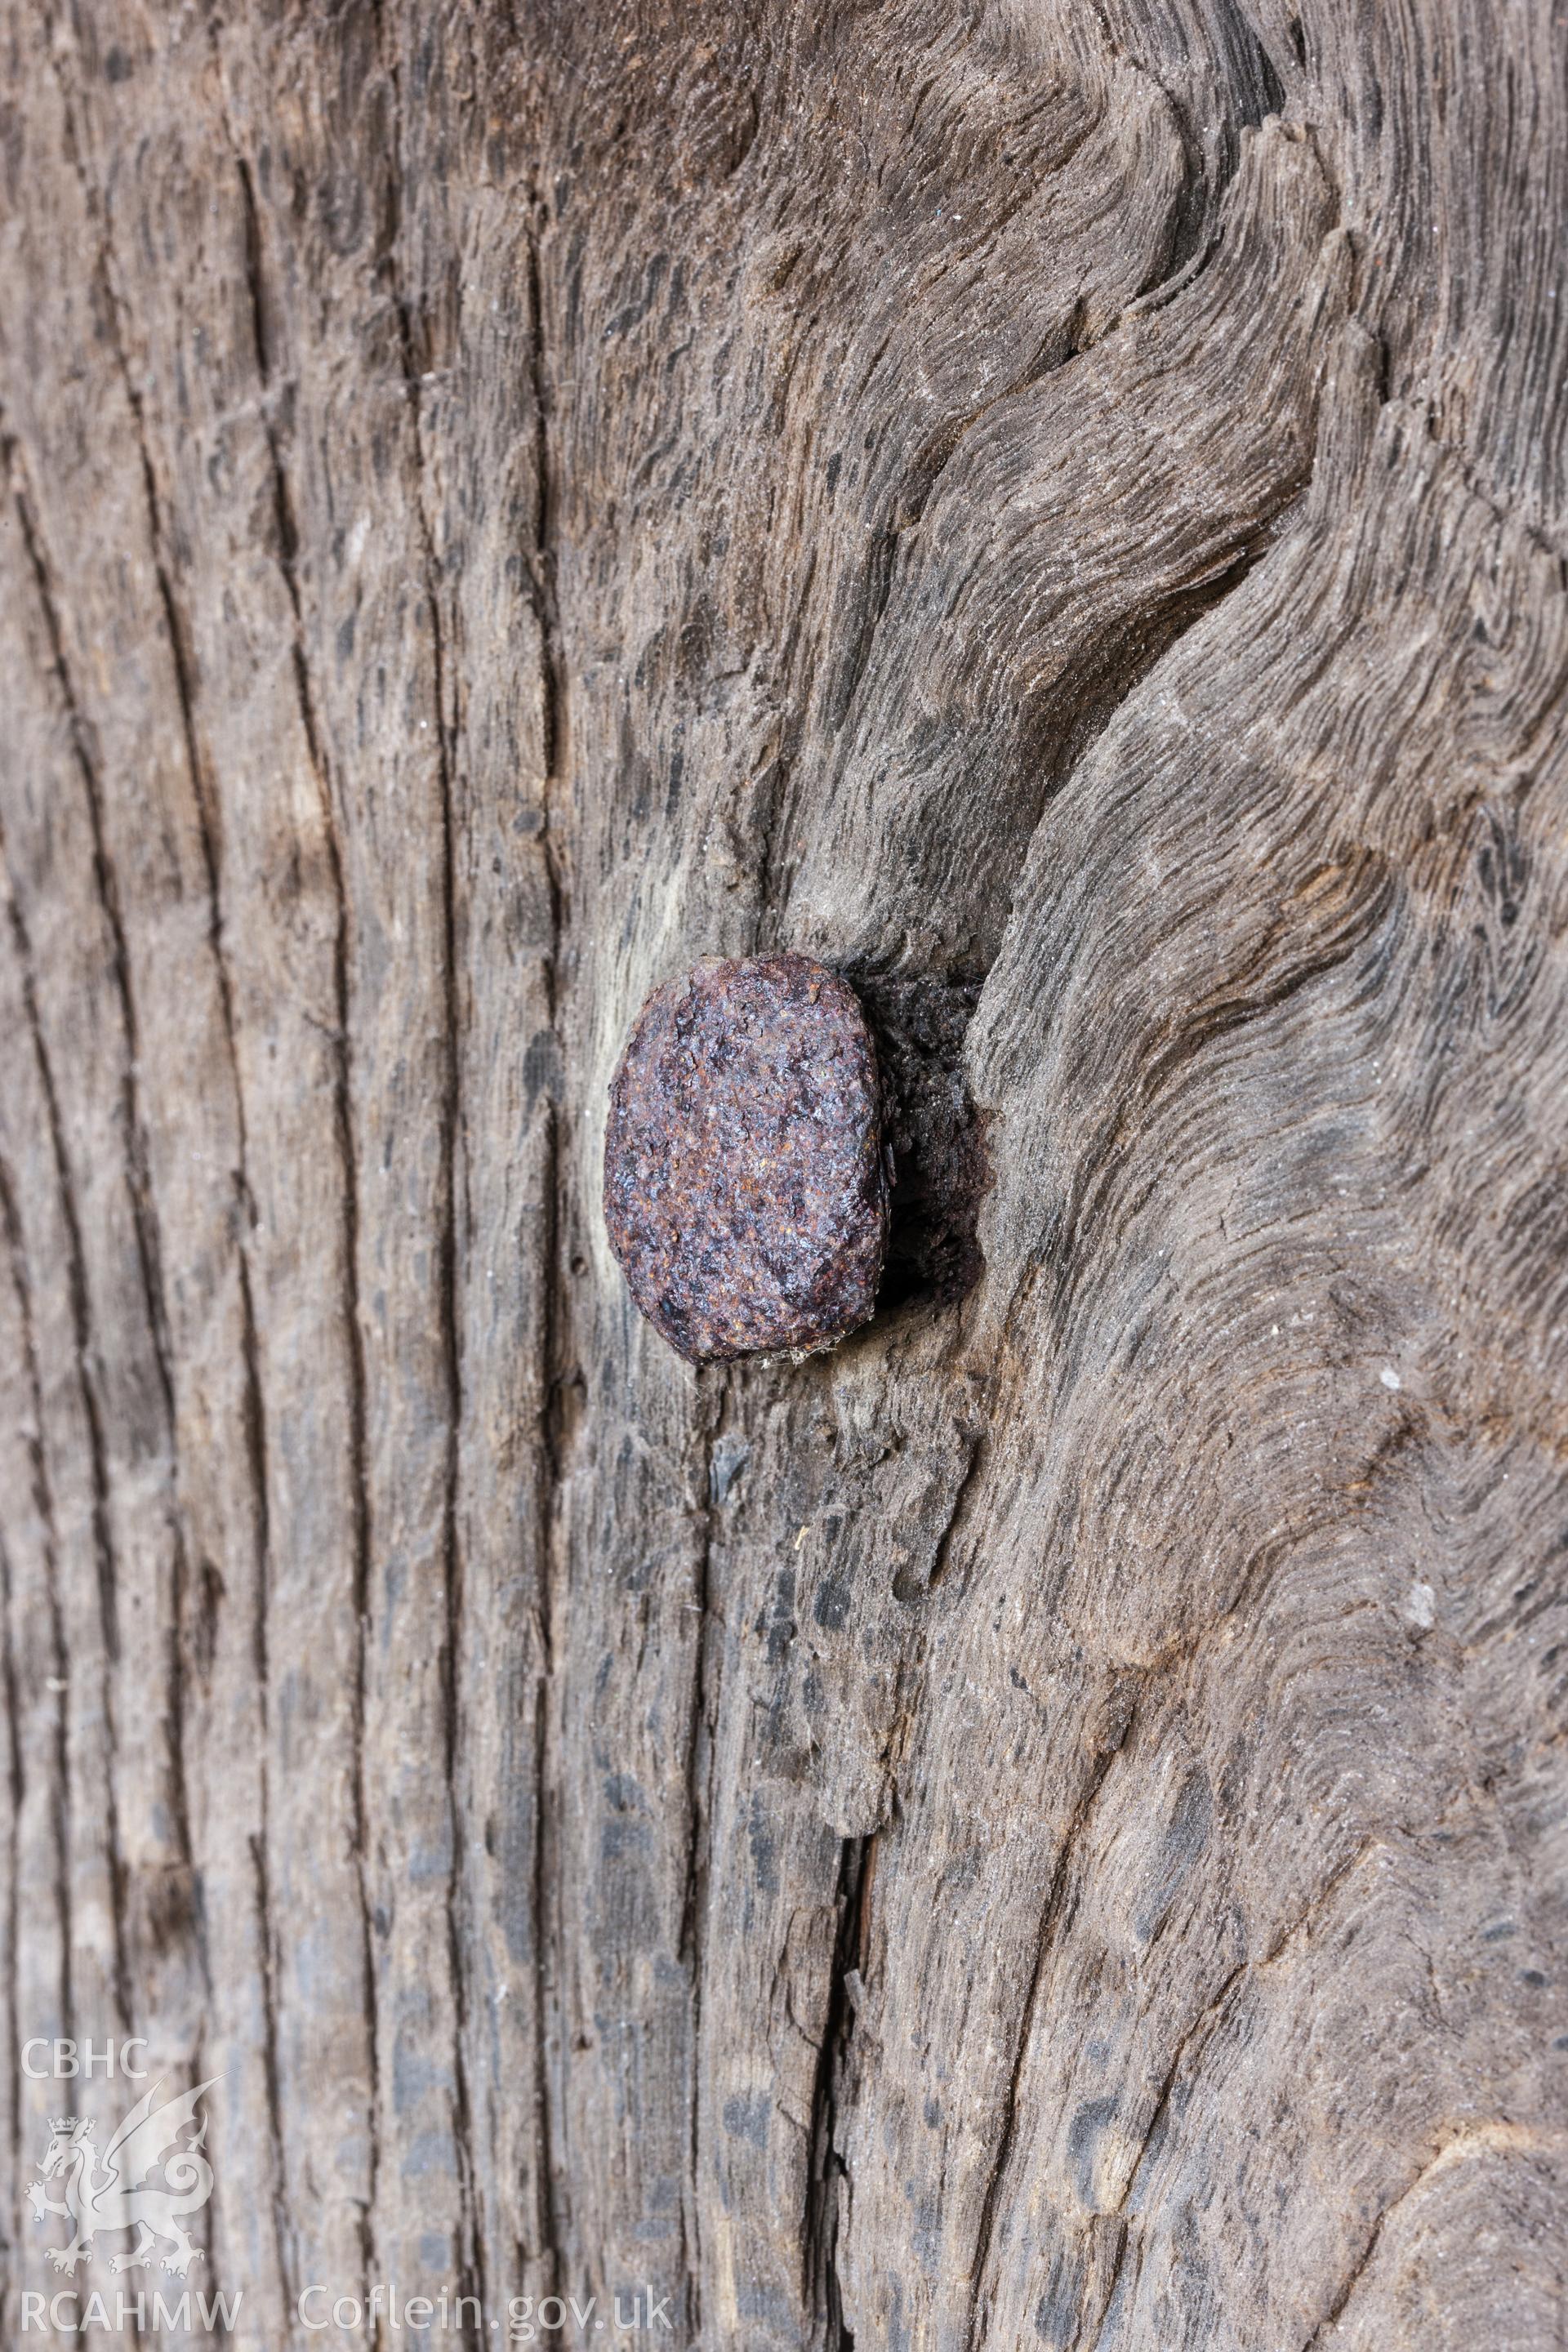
<point>472,2265</point>
<point>828,2182</point>
<point>359,1479</point>
<point>269,1975</point>
<point>545,1849</point>
<point>542,570</point>
<point>542,573</point>
<point>546,1877</point>
<point>698,1783</point>
<point>698,1750</point>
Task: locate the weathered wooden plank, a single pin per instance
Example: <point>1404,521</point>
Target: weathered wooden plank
<point>1045,1825</point>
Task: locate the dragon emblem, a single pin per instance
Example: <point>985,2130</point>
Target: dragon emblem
<point>117,2195</point>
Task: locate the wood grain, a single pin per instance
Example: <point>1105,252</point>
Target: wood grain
<point>1048,1824</point>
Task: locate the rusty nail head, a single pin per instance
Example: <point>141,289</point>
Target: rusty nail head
<point>744,1187</point>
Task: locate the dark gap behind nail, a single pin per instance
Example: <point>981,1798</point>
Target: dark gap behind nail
<point>935,1135</point>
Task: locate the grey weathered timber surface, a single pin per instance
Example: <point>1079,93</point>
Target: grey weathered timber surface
<point>1048,1826</point>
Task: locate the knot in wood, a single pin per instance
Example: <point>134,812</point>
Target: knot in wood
<point>745,1188</point>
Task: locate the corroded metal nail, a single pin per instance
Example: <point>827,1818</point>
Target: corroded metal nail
<point>744,1187</point>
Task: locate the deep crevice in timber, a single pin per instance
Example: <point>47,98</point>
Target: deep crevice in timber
<point>554,1411</point>
<point>827,2182</point>
<point>555,1401</point>
<point>699,1788</point>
